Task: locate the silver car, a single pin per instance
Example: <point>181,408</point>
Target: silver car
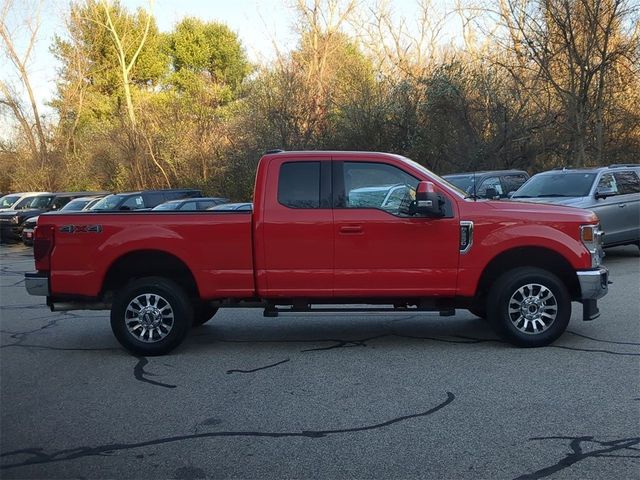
<point>613,193</point>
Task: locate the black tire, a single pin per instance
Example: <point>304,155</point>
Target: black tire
<point>158,293</point>
<point>202,313</point>
<point>537,292</point>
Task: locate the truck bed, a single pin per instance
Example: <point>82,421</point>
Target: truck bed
<point>215,246</point>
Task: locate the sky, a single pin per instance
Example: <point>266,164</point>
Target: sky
<point>258,23</point>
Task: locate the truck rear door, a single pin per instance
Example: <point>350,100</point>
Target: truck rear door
<point>296,229</point>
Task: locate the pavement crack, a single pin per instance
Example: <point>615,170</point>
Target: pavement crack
<point>602,341</point>
<point>140,374</point>
<point>259,368</point>
<point>577,444</point>
<point>38,455</point>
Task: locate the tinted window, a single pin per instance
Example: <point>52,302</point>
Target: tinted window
<point>560,184</point>
<point>75,205</point>
<point>155,198</point>
<point>607,185</point>
<point>189,206</point>
<point>110,202</point>
<point>491,182</point>
<point>513,182</point>
<point>8,200</point>
<point>40,202</point>
<point>133,203</point>
<point>203,205</point>
<point>377,185</point>
<point>299,185</point>
<point>627,182</point>
<point>60,202</point>
<point>167,206</point>
<point>463,182</point>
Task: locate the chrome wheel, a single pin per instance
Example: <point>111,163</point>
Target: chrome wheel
<point>533,308</point>
<point>149,317</point>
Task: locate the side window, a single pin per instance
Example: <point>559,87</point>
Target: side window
<point>607,185</point>
<point>206,204</point>
<point>628,182</point>
<point>153,199</point>
<point>513,182</point>
<point>133,203</point>
<point>491,182</point>
<point>378,185</point>
<point>299,185</point>
<point>189,206</point>
<point>60,202</point>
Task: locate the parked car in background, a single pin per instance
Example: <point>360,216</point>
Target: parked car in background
<point>191,204</point>
<point>238,207</point>
<point>11,221</point>
<point>613,193</point>
<point>142,200</point>
<point>17,201</point>
<point>75,205</point>
<point>492,184</point>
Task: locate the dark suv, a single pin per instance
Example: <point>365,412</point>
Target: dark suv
<point>613,193</point>
<point>11,221</point>
<point>143,200</point>
<point>492,184</point>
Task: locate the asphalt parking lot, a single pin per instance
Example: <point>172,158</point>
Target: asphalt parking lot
<point>319,396</point>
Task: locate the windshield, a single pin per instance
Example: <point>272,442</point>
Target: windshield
<point>463,182</point>
<point>560,184</point>
<point>40,202</point>
<point>122,202</point>
<point>8,200</point>
<point>428,172</point>
<point>167,206</point>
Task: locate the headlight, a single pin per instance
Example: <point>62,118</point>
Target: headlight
<point>591,237</point>
<point>15,219</point>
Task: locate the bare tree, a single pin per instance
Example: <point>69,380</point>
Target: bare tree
<point>28,117</point>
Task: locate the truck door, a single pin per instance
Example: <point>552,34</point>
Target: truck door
<point>378,248</point>
<point>298,229</point>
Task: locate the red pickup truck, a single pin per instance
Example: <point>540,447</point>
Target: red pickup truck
<point>328,230</point>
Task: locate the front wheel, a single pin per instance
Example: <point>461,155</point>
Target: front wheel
<point>151,316</point>
<point>529,307</point>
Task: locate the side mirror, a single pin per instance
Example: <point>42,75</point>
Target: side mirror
<point>427,203</point>
<point>603,193</point>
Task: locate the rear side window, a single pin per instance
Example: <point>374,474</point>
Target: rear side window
<point>299,185</point>
<point>513,182</point>
<point>628,182</point>
<point>189,206</point>
<point>133,203</point>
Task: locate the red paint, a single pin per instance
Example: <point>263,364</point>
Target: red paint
<point>281,252</point>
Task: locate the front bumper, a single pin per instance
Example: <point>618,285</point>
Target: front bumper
<point>37,284</point>
<point>594,284</point>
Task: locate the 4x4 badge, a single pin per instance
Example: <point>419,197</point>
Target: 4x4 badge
<point>81,229</point>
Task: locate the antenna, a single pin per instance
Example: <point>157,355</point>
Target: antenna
<point>475,194</point>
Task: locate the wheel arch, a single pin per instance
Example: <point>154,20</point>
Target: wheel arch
<point>146,263</point>
<point>530,256</point>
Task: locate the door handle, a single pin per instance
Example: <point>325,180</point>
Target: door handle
<point>351,229</point>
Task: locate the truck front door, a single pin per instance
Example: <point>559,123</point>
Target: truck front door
<point>379,248</point>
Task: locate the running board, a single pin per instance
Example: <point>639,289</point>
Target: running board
<point>275,311</point>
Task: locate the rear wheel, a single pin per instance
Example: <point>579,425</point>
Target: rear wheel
<point>529,307</point>
<point>151,316</point>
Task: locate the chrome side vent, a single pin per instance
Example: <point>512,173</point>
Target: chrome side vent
<point>466,236</point>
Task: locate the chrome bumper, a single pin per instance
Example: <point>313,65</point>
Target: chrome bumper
<point>37,284</point>
<point>594,284</point>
